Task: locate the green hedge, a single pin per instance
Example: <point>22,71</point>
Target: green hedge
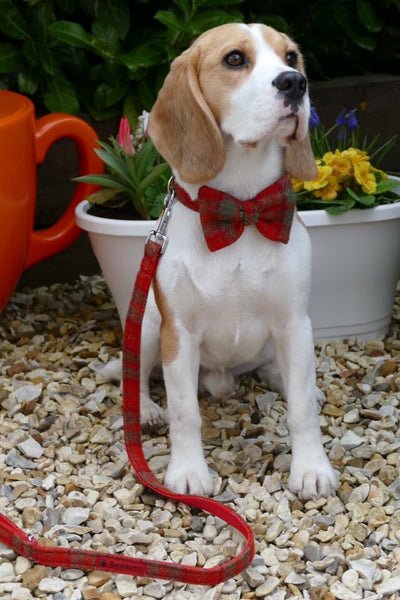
<point>109,56</point>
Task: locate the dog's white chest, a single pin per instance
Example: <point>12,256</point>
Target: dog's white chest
<point>223,298</point>
<point>232,323</point>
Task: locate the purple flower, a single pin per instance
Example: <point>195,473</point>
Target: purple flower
<point>314,118</point>
<point>352,122</point>
<point>347,119</point>
<point>341,119</point>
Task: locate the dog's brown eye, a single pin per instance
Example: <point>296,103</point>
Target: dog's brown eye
<point>235,59</point>
<point>291,59</point>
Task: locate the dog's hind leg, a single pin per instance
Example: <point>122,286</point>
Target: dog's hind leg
<point>270,373</point>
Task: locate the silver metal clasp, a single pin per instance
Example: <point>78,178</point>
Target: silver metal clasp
<point>159,233</point>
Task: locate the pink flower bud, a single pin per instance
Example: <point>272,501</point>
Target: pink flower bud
<point>125,137</point>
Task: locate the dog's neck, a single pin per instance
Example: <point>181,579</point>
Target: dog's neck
<point>247,170</point>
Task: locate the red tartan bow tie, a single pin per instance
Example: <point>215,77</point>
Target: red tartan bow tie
<point>224,217</point>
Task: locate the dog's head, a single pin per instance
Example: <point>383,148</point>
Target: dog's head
<point>242,81</point>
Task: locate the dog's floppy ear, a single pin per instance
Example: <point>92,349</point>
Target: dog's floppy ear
<point>299,160</point>
<point>182,126</point>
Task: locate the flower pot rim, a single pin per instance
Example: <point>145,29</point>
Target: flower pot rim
<point>383,212</point>
<point>105,226</point>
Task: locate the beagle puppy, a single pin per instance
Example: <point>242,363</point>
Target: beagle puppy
<point>233,115</point>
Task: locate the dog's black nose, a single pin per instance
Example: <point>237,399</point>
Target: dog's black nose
<point>292,84</point>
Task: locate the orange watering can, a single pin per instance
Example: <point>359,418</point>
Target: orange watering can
<point>24,142</point>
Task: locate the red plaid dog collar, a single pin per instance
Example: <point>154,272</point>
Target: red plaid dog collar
<point>223,217</point>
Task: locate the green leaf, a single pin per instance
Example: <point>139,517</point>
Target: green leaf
<point>170,20</point>
<point>43,16</point>
<point>71,33</point>
<point>144,55</point>
<point>378,155</point>
<point>61,95</point>
<point>106,49</point>
<point>368,17</point>
<point>115,162</point>
<point>353,194</point>
<point>153,175</point>
<point>28,81</point>
<point>364,199</point>
<point>115,14</point>
<point>154,200</point>
<point>144,159</point>
<point>367,200</point>
<point>107,95</point>
<point>132,109</point>
<point>102,180</point>
<point>10,58</point>
<point>339,209</point>
<point>31,49</point>
<point>105,32</point>
<point>48,60</point>
<point>184,5</point>
<point>11,22</point>
<point>212,18</point>
<point>386,185</point>
<point>366,42</point>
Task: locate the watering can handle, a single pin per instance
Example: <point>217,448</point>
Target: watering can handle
<point>49,129</point>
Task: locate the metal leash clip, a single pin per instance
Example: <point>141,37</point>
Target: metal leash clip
<point>159,233</point>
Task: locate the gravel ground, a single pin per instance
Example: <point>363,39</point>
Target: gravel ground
<point>64,473</point>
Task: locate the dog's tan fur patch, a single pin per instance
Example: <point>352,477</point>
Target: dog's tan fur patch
<point>169,337</point>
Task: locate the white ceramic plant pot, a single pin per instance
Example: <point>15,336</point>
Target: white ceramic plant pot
<point>356,266</point>
<point>118,246</point>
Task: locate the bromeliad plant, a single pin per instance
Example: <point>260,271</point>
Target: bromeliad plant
<point>348,176</point>
<point>136,174</point>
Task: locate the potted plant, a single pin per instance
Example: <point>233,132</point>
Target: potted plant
<point>119,216</point>
<point>353,216</point>
<point>350,211</point>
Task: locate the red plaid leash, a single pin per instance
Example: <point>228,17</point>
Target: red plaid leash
<point>53,556</point>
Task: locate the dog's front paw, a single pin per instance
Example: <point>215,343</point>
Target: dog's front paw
<point>189,477</point>
<point>313,478</point>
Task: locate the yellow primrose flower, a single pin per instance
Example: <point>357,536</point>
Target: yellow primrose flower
<point>340,164</point>
<point>298,186</point>
<point>365,177</point>
<point>329,192</point>
<point>355,155</point>
<point>322,179</point>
